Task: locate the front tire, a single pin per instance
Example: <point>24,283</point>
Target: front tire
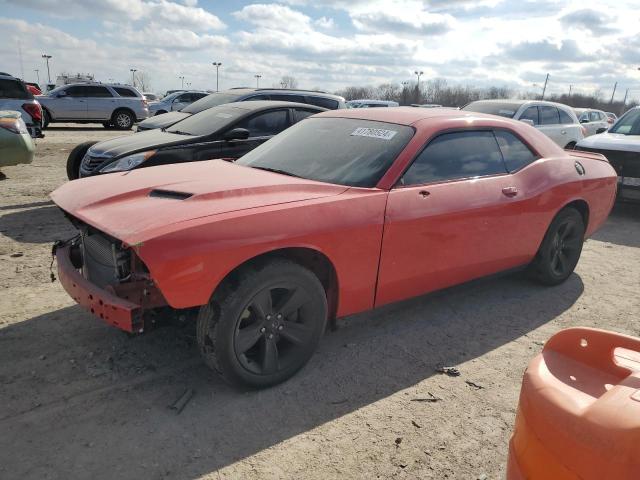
<point>46,120</point>
<point>560,249</point>
<point>259,331</point>
<point>74,159</point>
<point>122,120</point>
<point>570,146</point>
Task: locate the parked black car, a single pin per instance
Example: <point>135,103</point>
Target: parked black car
<point>320,99</point>
<point>226,131</point>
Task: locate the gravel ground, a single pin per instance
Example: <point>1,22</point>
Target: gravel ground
<point>79,399</point>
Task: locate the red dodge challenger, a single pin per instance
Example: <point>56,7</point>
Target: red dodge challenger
<point>343,212</point>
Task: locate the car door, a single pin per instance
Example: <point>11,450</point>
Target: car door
<point>262,126</point>
<point>181,101</point>
<point>72,105</point>
<point>550,125</point>
<point>453,217</point>
<point>100,102</point>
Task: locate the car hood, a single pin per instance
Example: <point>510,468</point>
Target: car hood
<point>138,142</point>
<point>138,205</point>
<point>163,120</point>
<point>612,141</point>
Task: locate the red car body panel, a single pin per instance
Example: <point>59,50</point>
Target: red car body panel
<point>385,243</point>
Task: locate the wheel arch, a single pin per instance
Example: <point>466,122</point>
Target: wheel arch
<point>311,258</point>
<point>582,207</point>
<point>123,109</point>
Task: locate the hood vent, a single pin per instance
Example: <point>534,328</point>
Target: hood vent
<point>170,194</point>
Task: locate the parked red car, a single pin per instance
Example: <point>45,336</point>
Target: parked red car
<point>343,212</point>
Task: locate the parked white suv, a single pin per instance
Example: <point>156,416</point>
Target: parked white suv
<point>15,96</point>
<point>594,121</point>
<point>555,120</point>
<point>118,106</point>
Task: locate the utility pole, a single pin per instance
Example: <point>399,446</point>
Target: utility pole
<point>258,77</point>
<point>544,90</point>
<point>182,78</point>
<point>626,94</point>
<point>614,92</point>
<point>217,65</point>
<point>570,87</point>
<point>47,57</point>
<point>418,74</point>
<point>133,78</point>
<point>37,75</point>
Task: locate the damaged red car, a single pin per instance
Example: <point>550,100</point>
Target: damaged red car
<point>343,212</point>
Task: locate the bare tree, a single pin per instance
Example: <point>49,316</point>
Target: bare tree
<point>287,81</point>
<point>142,81</point>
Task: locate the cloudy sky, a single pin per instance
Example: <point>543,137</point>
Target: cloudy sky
<point>329,44</point>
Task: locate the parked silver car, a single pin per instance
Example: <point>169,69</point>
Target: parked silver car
<point>118,106</point>
<point>594,121</point>
<point>175,101</point>
<point>15,96</point>
<point>555,120</point>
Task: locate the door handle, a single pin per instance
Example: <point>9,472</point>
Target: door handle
<point>510,191</point>
<point>564,132</point>
<point>424,193</point>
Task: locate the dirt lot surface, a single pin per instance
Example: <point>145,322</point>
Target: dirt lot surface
<point>79,399</point>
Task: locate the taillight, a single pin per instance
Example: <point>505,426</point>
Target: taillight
<point>584,131</point>
<point>144,102</point>
<point>35,110</point>
<point>15,125</point>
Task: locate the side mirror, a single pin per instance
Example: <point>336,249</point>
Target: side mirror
<point>584,120</point>
<point>601,130</point>
<point>61,94</point>
<point>236,134</point>
<point>528,121</point>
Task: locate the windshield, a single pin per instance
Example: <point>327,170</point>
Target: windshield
<point>344,151</point>
<point>212,100</point>
<point>207,122</point>
<point>502,109</point>
<point>628,124</point>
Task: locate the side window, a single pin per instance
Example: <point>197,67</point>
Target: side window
<point>198,96</point>
<point>185,97</point>
<point>288,98</point>
<point>125,92</point>
<point>531,113</point>
<point>322,102</point>
<point>266,123</point>
<point>95,91</point>
<point>301,114</point>
<point>76,91</point>
<point>549,115</point>
<point>594,116</point>
<point>257,97</point>
<point>565,117</point>
<point>515,153</point>
<point>456,155</point>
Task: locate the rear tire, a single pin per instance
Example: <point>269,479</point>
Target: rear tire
<point>122,120</point>
<point>262,329</point>
<point>560,249</point>
<point>74,159</point>
<point>570,146</point>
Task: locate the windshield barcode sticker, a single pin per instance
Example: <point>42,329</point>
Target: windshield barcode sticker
<point>374,133</point>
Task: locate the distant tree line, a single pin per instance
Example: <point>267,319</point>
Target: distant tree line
<point>437,91</point>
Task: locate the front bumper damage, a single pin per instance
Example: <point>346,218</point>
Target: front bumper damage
<point>122,305</point>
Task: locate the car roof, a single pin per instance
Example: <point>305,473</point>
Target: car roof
<point>247,90</point>
<point>586,109</point>
<point>405,115</point>
<point>265,104</point>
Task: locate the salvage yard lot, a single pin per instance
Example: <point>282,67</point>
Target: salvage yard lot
<point>81,399</point>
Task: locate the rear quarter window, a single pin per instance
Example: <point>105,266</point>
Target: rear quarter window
<point>516,153</point>
<point>125,92</point>
<point>322,102</point>
<point>565,117</point>
<point>11,88</point>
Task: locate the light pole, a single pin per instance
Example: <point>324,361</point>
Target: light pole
<point>570,87</point>
<point>258,77</point>
<point>217,65</point>
<point>133,78</point>
<point>182,78</point>
<point>47,57</point>
<point>418,74</point>
<point>38,75</point>
<point>614,93</point>
<point>546,80</point>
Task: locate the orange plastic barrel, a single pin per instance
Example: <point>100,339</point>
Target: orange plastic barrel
<point>579,410</point>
